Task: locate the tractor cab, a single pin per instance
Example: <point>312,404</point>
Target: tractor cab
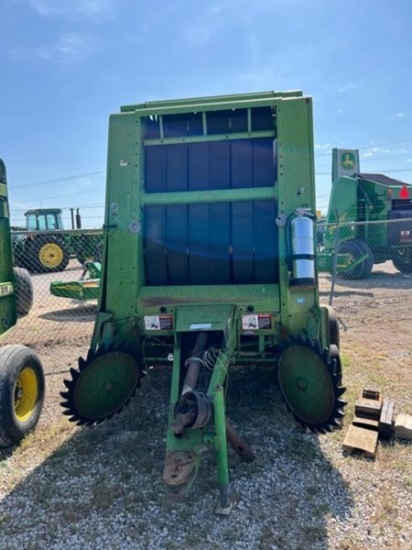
<point>44,219</point>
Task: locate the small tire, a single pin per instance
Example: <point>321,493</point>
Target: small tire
<point>24,290</point>
<point>49,254</point>
<point>22,388</point>
<point>334,332</point>
<point>357,250</point>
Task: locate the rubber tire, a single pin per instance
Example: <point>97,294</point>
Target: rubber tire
<point>335,355</point>
<point>13,359</point>
<point>401,265</point>
<point>36,265</point>
<point>24,291</point>
<point>334,335</point>
<point>87,249</point>
<point>357,249</point>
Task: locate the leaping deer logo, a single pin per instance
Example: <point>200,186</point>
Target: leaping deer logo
<point>348,160</point>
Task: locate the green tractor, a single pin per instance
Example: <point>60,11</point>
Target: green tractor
<point>209,265</point>
<point>21,372</point>
<point>44,246</point>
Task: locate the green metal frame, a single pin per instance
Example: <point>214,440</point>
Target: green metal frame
<point>8,310</point>
<point>125,298</point>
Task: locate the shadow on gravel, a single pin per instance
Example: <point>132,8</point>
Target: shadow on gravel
<point>377,279</point>
<point>77,314</point>
<point>102,488</point>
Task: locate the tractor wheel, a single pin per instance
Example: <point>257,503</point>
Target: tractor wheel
<point>361,263</point>
<point>49,255</point>
<point>21,393</point>
<point>24,290</point>
<point>87,250</point>
<point>403,261</point>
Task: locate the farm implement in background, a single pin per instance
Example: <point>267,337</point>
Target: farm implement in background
<point>369,220</point>
<point>85,288</point>
<point>22,382</point>
<point>44,246</point>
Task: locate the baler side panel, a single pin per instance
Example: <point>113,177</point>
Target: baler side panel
<point>295,189</point>
<point>122,272</point>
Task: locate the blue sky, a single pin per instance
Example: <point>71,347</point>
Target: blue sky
<point>65,65</point>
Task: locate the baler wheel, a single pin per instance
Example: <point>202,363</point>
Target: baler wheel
<point>310,383</point>
<point>103,385</point>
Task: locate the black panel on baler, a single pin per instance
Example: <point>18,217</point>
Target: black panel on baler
<point>176,216</point>
<point>213,243</point>
<point>242,212</point>
<point>155,237</point>
<point>198,215</point>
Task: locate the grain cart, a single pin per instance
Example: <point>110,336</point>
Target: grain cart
<point>44,246</point>
<point>208,263</point>
<point>381,208</point>
<point>21,372</point>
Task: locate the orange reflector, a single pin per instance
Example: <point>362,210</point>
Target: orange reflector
<point>404,193</point>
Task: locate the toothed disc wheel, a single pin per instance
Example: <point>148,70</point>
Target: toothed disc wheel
<point>310,384</point>
<point>101,387</point>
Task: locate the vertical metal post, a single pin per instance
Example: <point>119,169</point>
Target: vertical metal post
<point>224,505</point>
<point>335,258</point>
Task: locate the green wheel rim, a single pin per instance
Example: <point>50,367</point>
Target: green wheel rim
<point>105,385</point>
<point>306,384</point>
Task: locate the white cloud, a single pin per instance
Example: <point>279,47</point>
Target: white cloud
<point>89,9</point>
<point>344,88</point>
<point>68,49</point>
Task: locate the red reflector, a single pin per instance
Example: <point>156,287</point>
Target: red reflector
<point>404,193</point>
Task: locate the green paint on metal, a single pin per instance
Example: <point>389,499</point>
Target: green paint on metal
<point>306,384</point>
<point>208,138</point>
<point>105,385</point>
<point>220,438</point>
<point>200,198</point>
<point>8,305</point>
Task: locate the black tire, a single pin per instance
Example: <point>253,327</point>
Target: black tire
<point>24,290</point>
<point>335,356</point>
<point>403,261</point>
<point>357,250</point>
<point>87,249</point>
<point>334,334</point>
<point>22,388</point>
<point>48,255</point>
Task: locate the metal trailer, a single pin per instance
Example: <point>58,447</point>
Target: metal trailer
<point>209,264</point>
<point>369,220</point>
<point>21,372</point>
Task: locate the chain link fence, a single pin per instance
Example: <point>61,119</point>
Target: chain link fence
<point>365,272</point>
<point>64,276</point>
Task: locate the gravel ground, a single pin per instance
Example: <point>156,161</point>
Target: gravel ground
<point>100,487</point>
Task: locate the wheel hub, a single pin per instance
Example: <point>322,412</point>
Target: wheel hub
<point>51,255</point>
<point>25,394</point>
